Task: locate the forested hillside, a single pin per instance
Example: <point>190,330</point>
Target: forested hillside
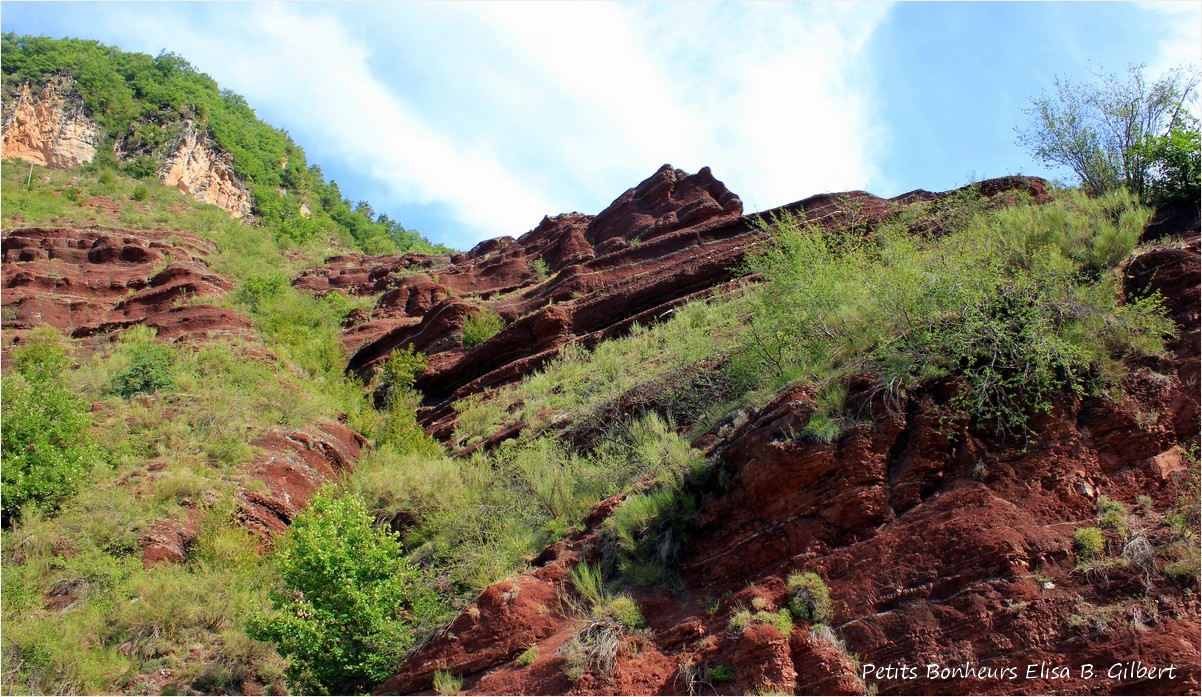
<point>144,103</point>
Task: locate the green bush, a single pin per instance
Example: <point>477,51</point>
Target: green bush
<point>783,621</point>
<point>623,609</point>
<point>821,428</point>
<point>739,621</point>
<point>720,673</point>
<point>1022,303</point>
<point>1112,515</point>
<point>1176,159</point>
<point>539,267</point>
<point>480,327</point>
<point>349,606</point>
<point>528,657</point>
<point>150,371</point>
<point>259,290</point>
<point>140,193</point>
<point>47,447</point>
<point>809,598</point>
<point>1089,543</point>
<point>400,370</point>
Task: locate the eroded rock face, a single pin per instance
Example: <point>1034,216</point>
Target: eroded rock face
<point>196,167</point>
<point>673,238</point>
<point>293,466</point>
<point>92,281</point>
<point>936,551</point>
<point>940,544</point>
<point>49,126</point>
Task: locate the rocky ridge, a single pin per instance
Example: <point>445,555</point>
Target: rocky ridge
<point>89,283</point>
<point>49,126</point>
<point>673,238</point>
<point>941,545</point>
<point>93,281</point>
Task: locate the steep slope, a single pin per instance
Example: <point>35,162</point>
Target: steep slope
<point>70,102</point>
<point>952,555</point>
<point>50,128</point>
<point>575,279</point>
<point>212,419</point>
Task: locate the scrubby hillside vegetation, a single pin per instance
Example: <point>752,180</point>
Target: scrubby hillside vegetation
<point>670,448</point>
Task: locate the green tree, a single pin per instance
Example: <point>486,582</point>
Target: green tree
<point>1100,130</point>
<point>349,606</point>
<point>1176,159</point>
<point>150,370</point>
<point>47,449</point>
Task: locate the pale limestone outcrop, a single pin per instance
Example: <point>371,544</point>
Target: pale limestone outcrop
<point>50,126</point>
<point>196,167</point>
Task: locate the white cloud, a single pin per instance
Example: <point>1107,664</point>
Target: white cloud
<point>1181,26</point>
<point>1181,38</point>
<point>785,93</point>
<point>545,107</point>
<point>773,96</point>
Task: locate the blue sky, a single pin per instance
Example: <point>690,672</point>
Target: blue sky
<point>467,121</point>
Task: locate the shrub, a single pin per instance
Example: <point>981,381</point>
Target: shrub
<point>480,327</point>
<point>1022,303</point>
<point>720,673</point>
<point>400,370</point>
<point>625,610</point>
<point>1184,560</point>
<point>447,684</point>
<point>349,606</point>
<point>539,267</point>
<point>150,371</point>
<point>782,620</point>
<point>1112,515</point>
<point>821,428</point>
<point>47,447</point>
<point>739,621</point>
<point>595,645</point>
<point>809,597</point>
<point>140,193</point>
<point>1176,159</point>
<point>575,659</point>
<point>528,657</point>
<point>1089,543</point>
<point>257,290</point>
<point>587,581</point>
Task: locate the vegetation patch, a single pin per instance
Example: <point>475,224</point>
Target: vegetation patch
<point>809,598</point>
<point>481,326</point>
<point>348,606</point>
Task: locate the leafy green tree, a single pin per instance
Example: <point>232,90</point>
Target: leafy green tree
<point>1101,130</point>
<point>349,606</point>
<point>47,449</point>
<point>1176,159</point>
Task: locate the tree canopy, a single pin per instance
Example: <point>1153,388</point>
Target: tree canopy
<point>1129,132</point>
